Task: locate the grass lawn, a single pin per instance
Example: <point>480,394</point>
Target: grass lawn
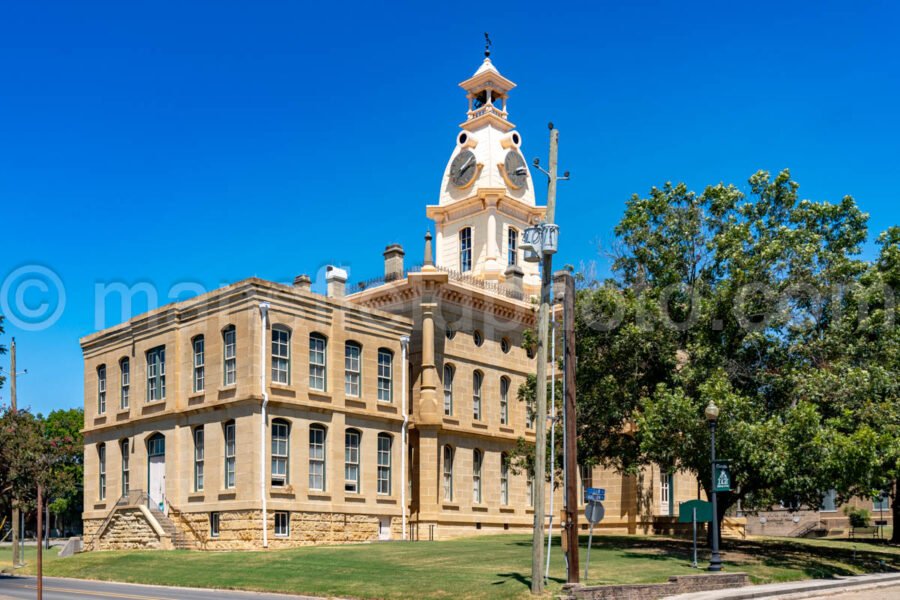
<point>475,568</point>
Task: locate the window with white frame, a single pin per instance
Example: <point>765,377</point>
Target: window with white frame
<point>530,412</point>
<point>317,345</point>
<point>317,458</point>
<point>282,523</point>
<point>504,400</point>
<point>229,355</point>
<point>281,443</point>
<point>477,380</point>
<point>124,383</point>
<point>829,501</point>
<point>230,454</point>
<point>448,390</point>
<point>351,461</point>
<point>881,502</point>
<point>199,457</point>
<point>214,524</point>
<point>385,441</point>
<point>385,375</point>
<point>156,374</point>
<point>101,389</point>
<point>512,246</point>
<point>448,473</point>
<point>465,249</point>
<point>477,460</point>
<point>529,487</point>
<point>126,475</point>
<point>504,479</point>
<point>101,456</point>
<point>281,355</point>
<point>352,352</point>
<point>199,361</point>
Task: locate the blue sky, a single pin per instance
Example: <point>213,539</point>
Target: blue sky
<point>177,142</point>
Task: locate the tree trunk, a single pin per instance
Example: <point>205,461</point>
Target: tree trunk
<point>895,512</point>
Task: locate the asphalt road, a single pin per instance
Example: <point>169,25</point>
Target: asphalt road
<point>884,593</point>
<point>25,588</point>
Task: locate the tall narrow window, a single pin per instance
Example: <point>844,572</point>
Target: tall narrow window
<point>465,249</point>
<point>448,473</point>
<point>199,457</point>
<point>156,374</point>
<point>504,479</point>
<point>448,389</point>
<point>530,412</point>
<point>385,442</point>
<point>504,400</point>
<point>126,475</point>
<point>101,389</point>
<point>352,353</point>
<point>317,458</point>
<point>124,383</point>
<point>282,524</point>
<point>281,355</point>
<point>512,247</point>
<point>229,355</point>
<point>477,379</point>
<point>281,438</point>
<point>214,524</point>
<point>587,481</point>
<point>477,460</point>
<point>230,454</point>
<point>351,461</point>
<point>199,346</point>
<point>385,375</point>
<point>529,487</point>
<point>317,344</point>
<point>101,455</point>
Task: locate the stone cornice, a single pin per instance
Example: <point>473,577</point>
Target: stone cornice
<point>481,201</point>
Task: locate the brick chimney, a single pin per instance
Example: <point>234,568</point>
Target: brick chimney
<point>302,282</point>
<point>336,280</point>
<point>393,262</point>
<point>514,281</point>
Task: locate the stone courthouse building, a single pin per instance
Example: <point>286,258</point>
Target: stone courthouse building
<point>267,415</point>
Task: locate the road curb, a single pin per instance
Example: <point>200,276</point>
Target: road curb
<point>796,590</point>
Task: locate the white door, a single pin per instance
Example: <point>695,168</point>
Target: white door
<point>157,483</point>
<point>665,491</point>
<point>384,528</point>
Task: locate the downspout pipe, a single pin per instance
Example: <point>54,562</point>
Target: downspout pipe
<point>264,319</point>
<point>404,353</point>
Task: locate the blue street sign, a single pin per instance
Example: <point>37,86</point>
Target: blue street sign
<point>594,495</point>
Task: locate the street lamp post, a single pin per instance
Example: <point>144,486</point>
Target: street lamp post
<point>712,415</point>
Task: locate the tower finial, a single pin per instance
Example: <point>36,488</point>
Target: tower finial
<point>487,45</point>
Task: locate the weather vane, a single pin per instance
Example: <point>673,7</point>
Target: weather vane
<point>487,45</point>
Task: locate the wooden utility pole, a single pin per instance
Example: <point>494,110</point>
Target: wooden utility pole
<point>13,407</point>
<point>567,282</point>
<point>40,548</point>
<point>540,438</point>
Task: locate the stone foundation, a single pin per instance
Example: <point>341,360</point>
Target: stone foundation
<point>127,530</point>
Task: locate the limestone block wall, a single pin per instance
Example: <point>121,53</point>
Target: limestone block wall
<point>128,530</point>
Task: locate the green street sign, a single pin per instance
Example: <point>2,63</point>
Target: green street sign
<point>722,482</point>
<point>686,511</point>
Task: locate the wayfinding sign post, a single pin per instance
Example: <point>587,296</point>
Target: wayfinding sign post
<point>695,511</point>
<point>594,512</point>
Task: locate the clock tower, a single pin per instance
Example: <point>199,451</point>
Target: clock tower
<point>486,199</point>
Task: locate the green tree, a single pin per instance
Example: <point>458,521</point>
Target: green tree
<point>62,430</point>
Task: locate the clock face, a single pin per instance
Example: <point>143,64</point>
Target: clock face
<point>463,169</point>
<point>516,171</point>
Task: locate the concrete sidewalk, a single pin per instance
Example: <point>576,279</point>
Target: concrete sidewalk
<point>796,590</point>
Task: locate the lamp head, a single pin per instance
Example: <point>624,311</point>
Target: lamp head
<point>711,412</point>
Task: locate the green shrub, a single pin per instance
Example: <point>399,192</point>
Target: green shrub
<point>859,517</point>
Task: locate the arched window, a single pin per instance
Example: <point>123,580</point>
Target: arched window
<point>385,441</point>
<point>448,473</point>
<point>199,457</point>
<point>317,458</point>
<point>101,470</point>
<point>477,460</point>
<point>448,389</point>
<point>317,364</point>
<point>504,479</point>
<point>230,454</point>
<point>477,380</point>
<point>126,475</point>
<point>385,375</point>
<point>101,389</point>
<point>351,461</point>
<point>352,368</point>
<point>198,345</point>
<point>281,443</point>
<point>281,354</point>
<point>124,383</point>
<point>512,246</point>
<point>504,400</point>
<point>229,357</point>
<point>465,249</point>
